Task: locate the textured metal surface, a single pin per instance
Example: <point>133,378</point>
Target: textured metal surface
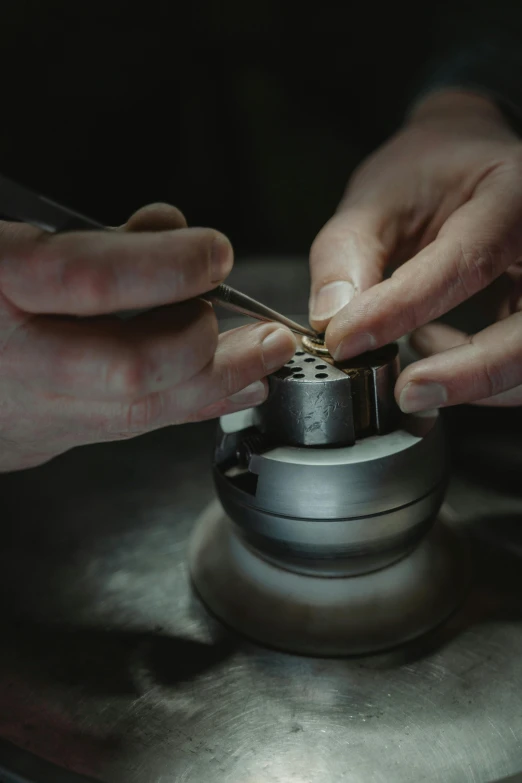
<point>310,403</point>
<point>123,678</point>
<point>314,402</point>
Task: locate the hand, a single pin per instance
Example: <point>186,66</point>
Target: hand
<point>67,380</point>
<point>444,199</point>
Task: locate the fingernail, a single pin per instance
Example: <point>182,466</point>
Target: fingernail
<point>278,347</point>
<point>354,346</point>
<point>220,259</point>
<point>331,298</point>
<point>251,395</point>
<point>422,397</point>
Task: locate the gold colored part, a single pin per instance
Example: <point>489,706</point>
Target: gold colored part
<point>317,347</point>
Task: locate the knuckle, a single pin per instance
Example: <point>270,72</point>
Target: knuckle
<point>189,253</point>
<point>156,217</point>
<point>478,264</point>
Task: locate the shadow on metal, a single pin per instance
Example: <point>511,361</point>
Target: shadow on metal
<point>19,766</point>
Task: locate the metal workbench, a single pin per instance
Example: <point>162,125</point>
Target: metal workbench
<point>111,670</point>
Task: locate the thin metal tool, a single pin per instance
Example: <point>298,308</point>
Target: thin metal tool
<point>234,300</point>
<point>20,203</point>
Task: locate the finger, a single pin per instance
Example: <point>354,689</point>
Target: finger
<point>95,273</point>
<point>156,217</point>
<point>243,356</point>
<point>107,359</point>
<point>512,300</point>
<point>66,422</point>
<point>486,365</point>
<point>507,399</point>
<point>347,257</point>
<point>12,234</point>
<point>435,338</point>
<point>476,244</point>
<point>253,395</point>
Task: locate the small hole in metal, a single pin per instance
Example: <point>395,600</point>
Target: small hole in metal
<point>291,361</point>
<point>320,375</point>
<point>299,353</point>
<point>320,367</point>
<point>299,375</point>
<point>296,369</point>
<point>310,359</point>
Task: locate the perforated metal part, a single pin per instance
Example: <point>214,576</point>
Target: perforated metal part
<point>315,402</point>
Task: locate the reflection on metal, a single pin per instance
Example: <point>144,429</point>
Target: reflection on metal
<point>108,663</point>
<point>316,347</point>
<point>327,545</point>
<point>272,600</point>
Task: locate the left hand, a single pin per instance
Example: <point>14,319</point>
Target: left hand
<point>444,199</point>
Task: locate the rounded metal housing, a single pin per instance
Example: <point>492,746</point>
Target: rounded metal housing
<point>311,614</point>
<point>350,509</point>
<point>325,540</point>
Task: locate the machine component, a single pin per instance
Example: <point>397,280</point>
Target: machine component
<point>327,544</point>
<point>314,402</point>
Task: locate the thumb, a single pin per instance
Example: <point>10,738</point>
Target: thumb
<point>348,256</point>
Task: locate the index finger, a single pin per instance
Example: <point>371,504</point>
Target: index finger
<point>476,244</point>
<point>96,272</point>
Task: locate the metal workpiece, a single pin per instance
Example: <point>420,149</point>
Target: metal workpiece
<point>311,547</point>
<point>314,401</point>
<point>309,403</point>
<point>300,527</point>
<point>328,498</point>
<point>318,614</point>
<point>355,500</point>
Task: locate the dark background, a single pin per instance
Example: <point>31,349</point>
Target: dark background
<point>248,116</point>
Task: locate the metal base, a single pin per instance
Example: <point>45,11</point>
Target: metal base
<point>327,616</point>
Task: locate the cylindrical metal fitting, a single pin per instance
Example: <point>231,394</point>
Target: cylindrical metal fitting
<point>314,402</point>
<point>343,510</point>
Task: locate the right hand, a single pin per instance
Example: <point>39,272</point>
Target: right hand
<point>67,379</point>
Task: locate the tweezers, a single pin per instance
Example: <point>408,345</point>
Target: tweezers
<point>19,203</point>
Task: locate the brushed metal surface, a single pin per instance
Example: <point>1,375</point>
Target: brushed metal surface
<point>278,604</point>
<point>409,465</point>
<point>336,511</point>
<point>109,667</point>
